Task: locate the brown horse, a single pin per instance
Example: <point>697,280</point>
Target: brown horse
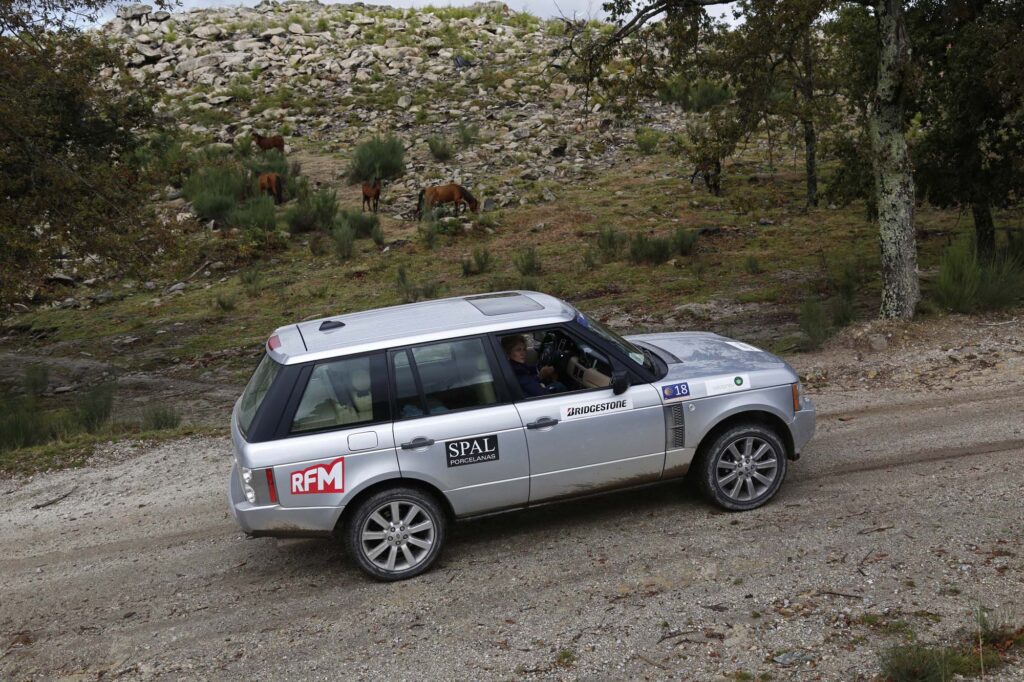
<point>371,194</point>
<point>272,184</point>
<point>267,143</point>
<point>445,194</point>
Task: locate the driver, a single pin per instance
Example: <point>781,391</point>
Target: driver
<point>533,381</point>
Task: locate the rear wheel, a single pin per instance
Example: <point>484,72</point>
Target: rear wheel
<point>396,533</point>
<point>743,468</point>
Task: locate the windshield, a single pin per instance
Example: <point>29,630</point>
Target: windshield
<point>257,389</point>
<point>634,353</point>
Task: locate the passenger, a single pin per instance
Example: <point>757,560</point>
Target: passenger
<point>533,381</point>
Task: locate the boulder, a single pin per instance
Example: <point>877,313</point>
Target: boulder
<point>130,12</point>
<point>208,32</point>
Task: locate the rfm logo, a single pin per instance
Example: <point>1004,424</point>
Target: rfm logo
<point>320,478</point>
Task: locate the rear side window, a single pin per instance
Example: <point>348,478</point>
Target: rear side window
<point>343,393</point>
<point>256,391</point>
<point>452,375</point>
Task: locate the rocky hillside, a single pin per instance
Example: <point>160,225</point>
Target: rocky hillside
<point>327,76</point>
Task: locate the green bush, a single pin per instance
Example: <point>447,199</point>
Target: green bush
<point>378,157</point>
<point>653,250</point>
<point>527,261</point>
<point>609,242</point>
<point>213,190</point>
<point>362,224</point>
<point>377,234</point>
<point>813,323</point>
<point>468,134</point>
<point>428,233</point>
<point>270,161</point>
<point>752,265</point>
<point>226,302</point>
<point>315,211</point>
<point>918,663</point>
<point>967,285</point>
<point>36,380</point>
<point>481,259</point>
<point>344,241</point>
<point>159,417</point>
<point>93,408</point>
<point>647,140</point>
<point>699,95</point>
<point>684,241</point>
<point>255,214</point>
<point>440,148</point>
<point>21,425</point>
<point>251,282</point>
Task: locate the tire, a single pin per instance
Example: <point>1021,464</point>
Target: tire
<point>395,551</point>
<point>742,468</point>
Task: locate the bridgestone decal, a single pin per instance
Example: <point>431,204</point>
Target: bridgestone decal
<point>471,450</point>
<point>589,409</point>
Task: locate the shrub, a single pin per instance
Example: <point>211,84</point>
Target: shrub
<point>313,212</point>
<point>699,95</point>
<point>255,214</point>
<point>468,134</point>
<point>481,259</point>
<point>270,161</point>
<point>226,302</point>
<point>344,241</point>
<point>377,234</point>
<point>917,663</point>
<point>752,265</point>
<point>813,323</point>
<point>251,282</point>
<point>654,250</point>
<point>295,186</point>
<point>362,224</point>
<point>320,244</point>
<point>589,259</point>
<point>684,241</point>
<point>647,140</point>
<point>609,241</point>
<point>92,409</point>
<point>36,380</point>
<point>527,262</point>
<point>21,425</point>
<point>214,190</point>
<point>159,417</point>
<point>467,266</point>
<point>967,285</point>
<point>377,158</point>
<point>440,148</point>
<point>428,233</point>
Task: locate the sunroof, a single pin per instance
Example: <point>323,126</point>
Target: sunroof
<point>503,304</point>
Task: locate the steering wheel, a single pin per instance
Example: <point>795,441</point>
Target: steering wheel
<point>553,352</point>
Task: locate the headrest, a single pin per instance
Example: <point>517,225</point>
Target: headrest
<point>361,380</point>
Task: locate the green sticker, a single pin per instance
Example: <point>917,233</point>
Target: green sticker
<point>738,381</point>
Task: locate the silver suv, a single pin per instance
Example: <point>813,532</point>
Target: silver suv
<point>381,427</point>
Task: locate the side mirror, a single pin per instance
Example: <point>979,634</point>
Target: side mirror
<point>620,381</point>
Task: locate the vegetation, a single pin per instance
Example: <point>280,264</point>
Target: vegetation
<point>967,284</point>
<point>440,148</point>
<point>653,250</point>
<point>377,158</point>
<point>527,261</point>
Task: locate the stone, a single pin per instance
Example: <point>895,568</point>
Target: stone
<point>174,288</point>
<point>133,12</point>
<point>208,32</point>
<point>404,102</point>
<point>272,33</point>
<point>878,343</point>
<point>296,29</point>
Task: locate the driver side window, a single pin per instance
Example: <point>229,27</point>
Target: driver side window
<point>549,361</point>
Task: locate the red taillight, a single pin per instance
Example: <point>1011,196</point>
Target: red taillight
<point>796,397</point>
<point>273,343</point>
<point>270,483</point>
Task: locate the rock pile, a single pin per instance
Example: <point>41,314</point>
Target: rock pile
<point>328,76</point>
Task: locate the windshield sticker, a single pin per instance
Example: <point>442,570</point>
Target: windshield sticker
<point>319,479</point>
<point>727,384</point>
<point>588,409</point>
<point>744,346</point>
<point>680,391</point>
<point>472,450</point>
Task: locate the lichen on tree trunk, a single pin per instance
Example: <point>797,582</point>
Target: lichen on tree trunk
<point>894,181</point>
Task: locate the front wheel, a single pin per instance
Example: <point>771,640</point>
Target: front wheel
<point>396,533</point>
<point>743,468</point>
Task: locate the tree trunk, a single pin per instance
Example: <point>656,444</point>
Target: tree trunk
<point>811,151</point>
<point>894,180</point>
<point>984,230</point>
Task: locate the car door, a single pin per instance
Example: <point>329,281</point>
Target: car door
<point>455,426</point>
<point>338,432</point>
<point>587,440</point>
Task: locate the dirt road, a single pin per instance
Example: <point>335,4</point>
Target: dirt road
<point>903,516</point>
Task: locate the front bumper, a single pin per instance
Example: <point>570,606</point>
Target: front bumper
<point>803,426</point>
<point>276,521</point>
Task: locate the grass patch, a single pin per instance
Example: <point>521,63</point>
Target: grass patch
<point>527,262</point>
<point>647,140</point>
<point>684,241</point>
<point>814,324</point>
<point>440,147</point>
<point>966,285</point>
<point>160,418</point>
<point>652,250</point>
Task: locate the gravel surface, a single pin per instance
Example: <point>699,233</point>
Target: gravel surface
<point>903,516</point>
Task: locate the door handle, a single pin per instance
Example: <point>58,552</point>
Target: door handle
<point>417,443</point>
<point>542,423</point>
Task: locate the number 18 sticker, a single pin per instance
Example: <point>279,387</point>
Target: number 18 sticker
<point>676,391</point>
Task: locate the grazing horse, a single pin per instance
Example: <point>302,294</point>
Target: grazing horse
<point>445,194</point>
<point>371,194</point>
<point>272,184</point>
<point>267,143</point>
<point>711,171</point>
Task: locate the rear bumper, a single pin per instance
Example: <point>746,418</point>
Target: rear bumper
<point>277,521</point>
<point>803,426</point>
